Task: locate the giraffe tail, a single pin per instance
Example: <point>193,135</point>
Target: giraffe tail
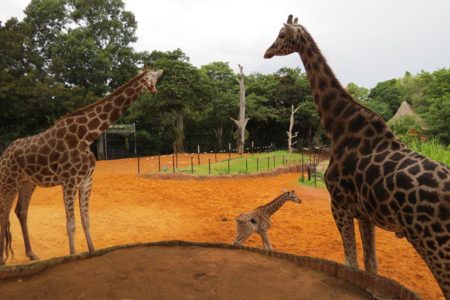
<point>8,242</point>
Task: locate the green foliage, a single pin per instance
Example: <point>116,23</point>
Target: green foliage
<point>431,148</point>
<point>404,125</point>
<point>360,93</point>
<point>64,54</point>
<point>438,118</point>
<point>316,180</point>
<point>387,92</point>
<point>381,108</point>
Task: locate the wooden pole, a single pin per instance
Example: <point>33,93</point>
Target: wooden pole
<point>192,165</point>
<point>228,166</point>
<point>257,164</point>
<point>159,163</point>
<point>139,165</point>
<point>198,153</point>
<point>173,163</point>
<point>209,166</point>
<point>246,166</point>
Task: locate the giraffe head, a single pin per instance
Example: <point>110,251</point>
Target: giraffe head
<point>288,40</point>
<point>291,196</point>
<point>151,78</point>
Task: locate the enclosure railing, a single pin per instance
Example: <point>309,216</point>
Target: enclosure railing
<point>232,163</point>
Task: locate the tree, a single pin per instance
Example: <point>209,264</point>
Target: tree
<point>381,108</point>
<point>360,93</point>
<point>224,98</point>
<point>241,122</point>
<point>29,100</point>
<point>387,92</point>
<point>183,89</point>
<point>73,44</point>
<point>290,135</point>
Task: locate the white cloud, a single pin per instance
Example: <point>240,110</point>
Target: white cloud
<point>364,41</point>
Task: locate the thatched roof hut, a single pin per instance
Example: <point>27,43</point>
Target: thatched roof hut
<point>404,110</point>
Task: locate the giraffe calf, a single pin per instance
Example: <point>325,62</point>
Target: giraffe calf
<point>258,220</point>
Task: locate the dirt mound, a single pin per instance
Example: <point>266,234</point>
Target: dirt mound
<point>187,272</point>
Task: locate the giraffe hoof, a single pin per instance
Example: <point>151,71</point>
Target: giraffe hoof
<point>32,256</point>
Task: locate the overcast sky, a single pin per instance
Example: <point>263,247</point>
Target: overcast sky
<point>364,41</point>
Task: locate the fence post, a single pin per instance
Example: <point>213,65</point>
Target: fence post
<point>139,165</point>
<point>198,153</point>
<point>283,160</point>
<point>257,164</point>
<point>303,168</point>
<point>173,163</point>
<point>268,163</point>
<point>228,166</point>
<point>215,156</point>
<point>229,150</point>
<point>192,165</point>
<point>252,147</point>
<point>246,166</point>
<point>274,161</point>
<point>209,166</point>
<point>159,163</point>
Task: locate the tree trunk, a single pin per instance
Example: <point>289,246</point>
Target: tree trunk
<point>101,147</point>
<point>178,146</point>
<point>242,121</point>
<point>218,131</point>
<point>291,126</point>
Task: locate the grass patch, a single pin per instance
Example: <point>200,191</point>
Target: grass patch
<point>247,164</point>
<point>318,182</point>
<point>432,149</point>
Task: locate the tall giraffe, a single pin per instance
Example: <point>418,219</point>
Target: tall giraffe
<point>258,220</point>
<point>61,156</point>
<point>372,176</point>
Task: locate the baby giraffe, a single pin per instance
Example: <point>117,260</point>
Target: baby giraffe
<point>258,220</point>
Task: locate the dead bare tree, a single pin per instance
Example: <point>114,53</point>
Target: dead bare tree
<point>242,121</point>
<point>291,136</point>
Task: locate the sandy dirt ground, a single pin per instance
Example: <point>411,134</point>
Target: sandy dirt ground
<point>180,273</point>
<point>126,208</point>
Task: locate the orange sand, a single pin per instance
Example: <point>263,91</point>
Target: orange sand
<point>128,209</point>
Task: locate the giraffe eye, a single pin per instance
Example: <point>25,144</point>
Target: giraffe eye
<point>253,221</point>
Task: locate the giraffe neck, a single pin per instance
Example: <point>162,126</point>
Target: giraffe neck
<point>274,205</point>
<point>334,104</point>
<point>90,121</point>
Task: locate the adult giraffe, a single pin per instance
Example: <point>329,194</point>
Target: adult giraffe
<point>372,176</point>
<point>61,156</point>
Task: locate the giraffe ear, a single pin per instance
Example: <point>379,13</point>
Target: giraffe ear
<point>159,73</point>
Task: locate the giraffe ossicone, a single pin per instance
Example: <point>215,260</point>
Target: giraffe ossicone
<point>61,156</point>
<point>372,176</point>
<point>258,220</point>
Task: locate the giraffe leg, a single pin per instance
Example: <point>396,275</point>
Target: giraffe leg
<point>69,197</point>
<point>25,192</point>
<point>84,193</point>
<point>6,202</point>
<point>346,227</point>
<point>367,231</point>
<point>437,260</point>
<point>265,240</point>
